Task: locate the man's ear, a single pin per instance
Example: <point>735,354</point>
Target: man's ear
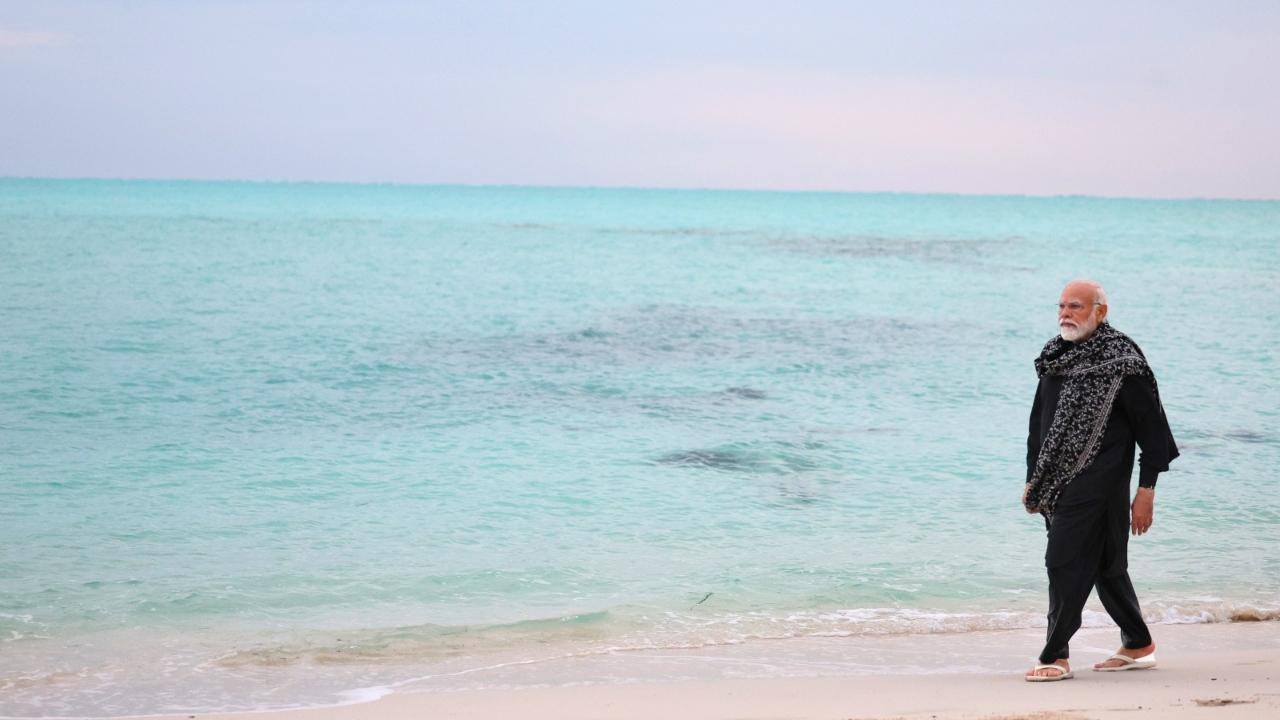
<point>1102,313</point>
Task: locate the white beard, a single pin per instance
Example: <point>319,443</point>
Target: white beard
<point>1072,334</point>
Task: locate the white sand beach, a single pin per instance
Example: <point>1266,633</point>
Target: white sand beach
<point>1226,671</point>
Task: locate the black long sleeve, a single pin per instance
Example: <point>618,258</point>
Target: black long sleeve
<point>1150,428</point>
<point>1033,435</point>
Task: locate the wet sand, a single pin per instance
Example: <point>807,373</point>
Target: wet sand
<point>1221,671</point>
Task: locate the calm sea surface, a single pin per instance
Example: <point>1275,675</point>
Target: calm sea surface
<point>264,445</point>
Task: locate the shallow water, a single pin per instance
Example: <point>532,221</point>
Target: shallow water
<point>368,432</point>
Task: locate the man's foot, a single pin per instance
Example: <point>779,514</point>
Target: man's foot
<point>1058,670</point>
<point>1139,659</point>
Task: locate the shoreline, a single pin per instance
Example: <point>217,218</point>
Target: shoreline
<point>266,671</point>
<point>1203,669</point>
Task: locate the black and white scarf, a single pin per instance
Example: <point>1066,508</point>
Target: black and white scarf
<point>1092,372</point>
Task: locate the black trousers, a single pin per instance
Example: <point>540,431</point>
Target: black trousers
<point>1069,585</point>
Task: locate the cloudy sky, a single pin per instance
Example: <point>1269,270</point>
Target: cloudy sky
<point>1169,99</point>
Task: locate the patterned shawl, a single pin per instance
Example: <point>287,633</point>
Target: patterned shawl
<point>1092,372</point>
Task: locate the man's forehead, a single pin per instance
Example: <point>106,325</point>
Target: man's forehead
<point>1078,290</point>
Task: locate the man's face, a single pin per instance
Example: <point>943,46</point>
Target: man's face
<point>1078,312</point>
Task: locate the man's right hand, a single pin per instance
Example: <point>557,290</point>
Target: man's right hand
<point>1030,510</point>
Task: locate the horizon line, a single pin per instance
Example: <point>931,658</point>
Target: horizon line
<point>643,188</point>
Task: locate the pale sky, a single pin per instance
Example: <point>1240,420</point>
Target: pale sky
<point>1164,99</point>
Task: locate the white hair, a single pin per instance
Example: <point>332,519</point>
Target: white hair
<point>1099,294</point>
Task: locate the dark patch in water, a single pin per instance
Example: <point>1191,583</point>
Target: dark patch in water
<point>676,232</point>
<point>796,496</point>
<point>716,459</point>
<point>1248,436</point>
<point>963,252</point>
<point>778,459</point>
<point>746,393</point>
<point>680,335</point>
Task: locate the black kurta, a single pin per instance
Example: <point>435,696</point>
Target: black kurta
<point>1097,500</point>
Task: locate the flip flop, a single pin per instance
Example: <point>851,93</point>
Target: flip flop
<point>1146,662</point>
<point>1062,675</point>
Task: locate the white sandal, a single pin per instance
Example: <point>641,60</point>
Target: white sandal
<point>1146,662</point>
<point>1063,673</point>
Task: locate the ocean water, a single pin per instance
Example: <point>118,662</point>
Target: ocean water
<point>271,445</point>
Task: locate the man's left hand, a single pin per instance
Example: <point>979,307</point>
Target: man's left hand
<point>1143,510</point>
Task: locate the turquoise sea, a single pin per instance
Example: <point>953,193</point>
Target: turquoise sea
<point>269,445</point>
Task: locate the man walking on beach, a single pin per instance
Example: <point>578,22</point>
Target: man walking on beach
<point>1096,398</point>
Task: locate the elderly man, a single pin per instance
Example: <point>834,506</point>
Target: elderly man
<point>1096,398</point>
